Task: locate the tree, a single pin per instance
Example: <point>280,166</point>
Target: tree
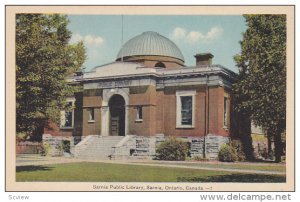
<point>240,126</point>
<point>261,89</point>
<point>44,58</point>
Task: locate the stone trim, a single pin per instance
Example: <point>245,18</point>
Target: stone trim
<point>107,94</point>
<point>179,94</point>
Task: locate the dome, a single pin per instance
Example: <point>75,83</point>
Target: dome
<point>150,43</point>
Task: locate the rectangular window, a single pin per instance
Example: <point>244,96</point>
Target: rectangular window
<point>139,113</point>
<point>185,109</point>
<point>225,111</point>
<point>67,116</point>
<point>91,113</point>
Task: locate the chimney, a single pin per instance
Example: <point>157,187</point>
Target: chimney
<point>204,59</point>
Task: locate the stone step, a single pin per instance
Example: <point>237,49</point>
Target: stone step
<point>96,147</point>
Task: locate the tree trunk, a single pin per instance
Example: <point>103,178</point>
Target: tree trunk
<point>269,145</point>
<point>38,133</point>
<point>278,147</point>
<point>245,134</point>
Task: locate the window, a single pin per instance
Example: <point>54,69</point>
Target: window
<point>67,116</point>
<point>186,110</point>
<point>160,64</point>
<point>225,111</point>
<point>139,113</point>
<point>185,107</point>
<point>91,113</point>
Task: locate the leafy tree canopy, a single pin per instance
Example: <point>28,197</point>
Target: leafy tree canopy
<point>44,59</point>
<point>261,90</point>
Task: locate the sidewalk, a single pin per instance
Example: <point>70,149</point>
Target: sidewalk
<point>36,159</point>
<point>28,159</point>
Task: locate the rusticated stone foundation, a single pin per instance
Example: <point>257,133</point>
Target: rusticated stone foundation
<point>130,146</point>
<point>144,147</point>
<point>55,145</point>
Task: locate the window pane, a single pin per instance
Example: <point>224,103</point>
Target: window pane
<point>67,117</point>
<point>139,113</point>
<point>186,110</point>
<point>225,111</point>
<point>91,114</point>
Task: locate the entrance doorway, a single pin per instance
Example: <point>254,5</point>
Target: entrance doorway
<point>116,106</point>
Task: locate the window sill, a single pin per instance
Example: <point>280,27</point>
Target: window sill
<point>185,126</point>
<point>91,121</point>
<point>66,128</point>
<point>225,128</point>
<point>139,120</point>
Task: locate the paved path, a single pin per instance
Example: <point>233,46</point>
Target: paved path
<point>23,160</point>
<point>35,159</point>
<point>204,167</point>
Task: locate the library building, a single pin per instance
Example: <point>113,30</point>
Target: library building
<point>148,94</point>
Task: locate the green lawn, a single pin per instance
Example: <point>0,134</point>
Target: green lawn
<point>238,166</point>
<point>106,172</point>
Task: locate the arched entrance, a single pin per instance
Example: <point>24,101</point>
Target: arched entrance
<point>116,106</point>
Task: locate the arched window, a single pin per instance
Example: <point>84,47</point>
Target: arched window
<point>160,64</point>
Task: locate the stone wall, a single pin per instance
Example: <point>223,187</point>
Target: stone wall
<point>137,147</point>
<point>144,147</point>
<point>213,144</point>
<point>140,147</point>
<point>54,145</point>
<point>196,146</point>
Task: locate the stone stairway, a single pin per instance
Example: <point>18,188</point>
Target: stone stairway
<point>96,147</point>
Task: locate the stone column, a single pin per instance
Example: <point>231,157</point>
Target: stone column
<point>105,121</point>
<point>126,120</point>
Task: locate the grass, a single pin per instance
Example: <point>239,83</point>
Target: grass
<point>238,166</point>
<point>257,178</point>
<point>106,172</point>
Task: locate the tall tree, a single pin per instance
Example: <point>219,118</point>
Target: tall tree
<point>44,58</point>
<point>261,90</point>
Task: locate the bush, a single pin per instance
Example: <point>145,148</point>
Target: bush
<point>45,149</point>
<point>172,150</point>
<point>238,146</point>
<point>21,137</point>
<point>227,153</point>
<point>199,158</point>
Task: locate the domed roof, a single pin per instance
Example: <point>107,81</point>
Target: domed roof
<point>150,43</point>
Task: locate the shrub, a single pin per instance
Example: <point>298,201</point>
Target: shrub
<point>227,153</point>
<point>21,137</point>
<point>172,150</point>
<point>199,158</point>
<point>271,154</point>
<point>238,146</point>
<point>45,149</point>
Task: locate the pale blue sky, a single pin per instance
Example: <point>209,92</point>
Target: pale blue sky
<point>219,35</point>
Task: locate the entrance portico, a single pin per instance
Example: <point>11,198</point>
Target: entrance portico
<point>114,112</point>
<point>116,106</point>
